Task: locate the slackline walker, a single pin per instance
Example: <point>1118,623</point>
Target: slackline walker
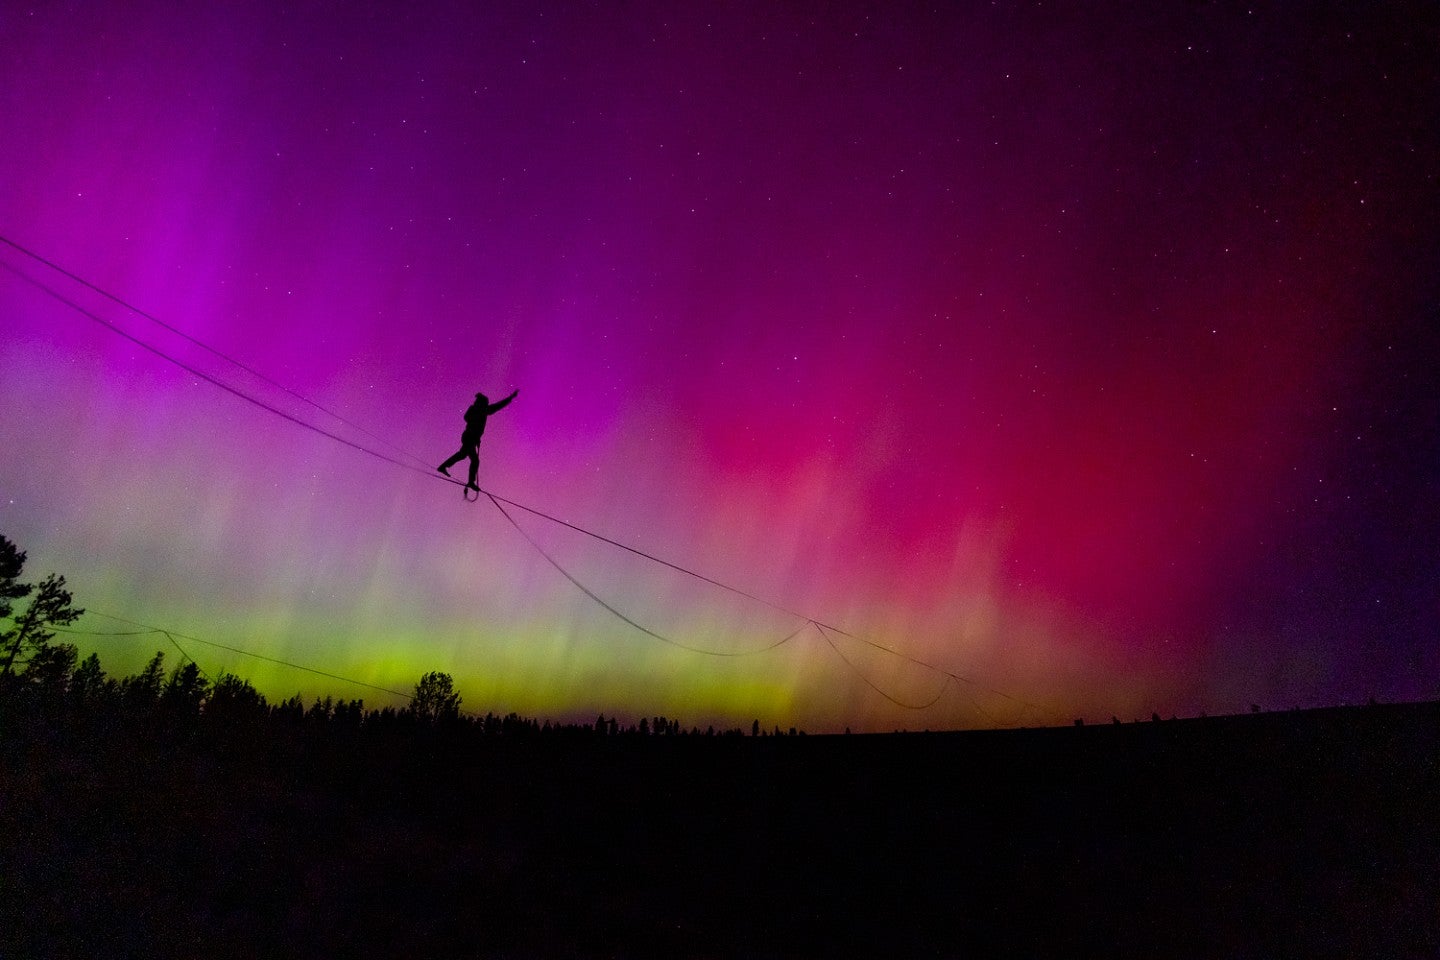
<point>475,418</point>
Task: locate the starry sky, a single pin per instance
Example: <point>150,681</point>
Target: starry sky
<point>1090,357</point>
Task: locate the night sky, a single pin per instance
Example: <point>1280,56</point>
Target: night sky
<point>1089,353</point>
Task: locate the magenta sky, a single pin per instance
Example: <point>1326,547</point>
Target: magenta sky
<point>1094,359</point>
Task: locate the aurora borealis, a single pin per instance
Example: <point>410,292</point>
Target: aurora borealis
<point>1091,356</point>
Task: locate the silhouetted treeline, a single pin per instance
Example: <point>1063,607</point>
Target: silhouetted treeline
<point>165,815</point>
<point>44,681</point>
<point>55,689</point>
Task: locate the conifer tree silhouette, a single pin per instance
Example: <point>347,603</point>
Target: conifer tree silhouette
<point>51,606</point>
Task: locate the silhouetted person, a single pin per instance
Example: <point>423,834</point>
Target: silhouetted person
<point>470,440</point>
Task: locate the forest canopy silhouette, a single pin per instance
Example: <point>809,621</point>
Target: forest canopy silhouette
<point>41,676</point>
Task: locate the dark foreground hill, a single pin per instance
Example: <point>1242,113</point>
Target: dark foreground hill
<point>1289,834</point>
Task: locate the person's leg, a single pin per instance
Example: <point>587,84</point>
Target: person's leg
<point>445,467</point>
<point>474,465</point>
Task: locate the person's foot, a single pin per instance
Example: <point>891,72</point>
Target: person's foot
<point>443,470</point>
<point>472,485</point>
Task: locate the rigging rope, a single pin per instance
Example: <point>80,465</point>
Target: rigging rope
<point>187,656</point>
<point>944,680</point>
<point>148,629</point>
<point>643,629</point>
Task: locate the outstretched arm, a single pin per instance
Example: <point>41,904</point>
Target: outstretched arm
<point>494,407</point>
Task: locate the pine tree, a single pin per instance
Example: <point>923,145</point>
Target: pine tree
<point>12,562</point>
<point>51,606</point>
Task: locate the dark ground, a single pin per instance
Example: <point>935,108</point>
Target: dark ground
<point>1286,834</point>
